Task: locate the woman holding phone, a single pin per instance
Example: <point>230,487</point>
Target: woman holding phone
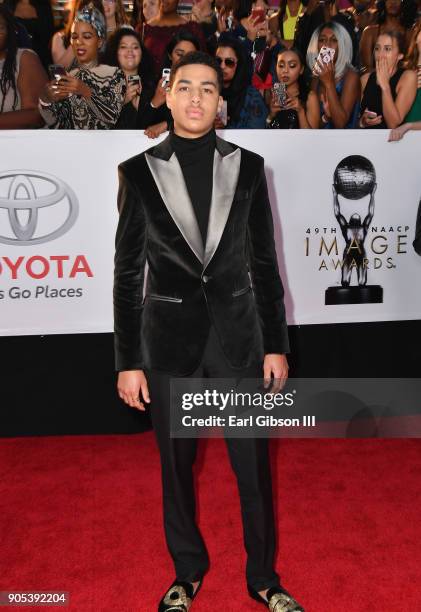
<point>246,108</point>
<point>125,50</point>
<point>389,91</point>
<point>336,81</point>
<point>90,96</point>
<point>292,105</point>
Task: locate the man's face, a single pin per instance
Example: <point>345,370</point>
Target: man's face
<point>194,100</point>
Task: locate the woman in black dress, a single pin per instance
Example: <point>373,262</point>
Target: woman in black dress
<point>389,91</point>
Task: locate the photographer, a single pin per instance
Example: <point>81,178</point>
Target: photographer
<point>90,96</point>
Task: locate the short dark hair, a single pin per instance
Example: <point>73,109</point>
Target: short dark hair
<point>199,57</point>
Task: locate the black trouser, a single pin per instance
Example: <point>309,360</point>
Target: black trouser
<point>249,459</point>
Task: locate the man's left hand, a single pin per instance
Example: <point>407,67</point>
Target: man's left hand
<point>275,366</point>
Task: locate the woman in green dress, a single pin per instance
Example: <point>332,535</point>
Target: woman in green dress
<point>413,62</point>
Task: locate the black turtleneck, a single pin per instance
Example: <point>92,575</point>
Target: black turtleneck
<point>195,156</point>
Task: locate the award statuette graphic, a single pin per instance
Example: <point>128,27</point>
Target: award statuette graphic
<point>354,178</point>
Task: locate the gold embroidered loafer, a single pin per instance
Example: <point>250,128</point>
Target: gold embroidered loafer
<point>278,600</point>
<point>179,597</point>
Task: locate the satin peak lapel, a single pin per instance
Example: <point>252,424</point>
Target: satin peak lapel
<point>226,170</point>
<point>169,179</point>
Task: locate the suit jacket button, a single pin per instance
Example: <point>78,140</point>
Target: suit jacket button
<point>205,278</point>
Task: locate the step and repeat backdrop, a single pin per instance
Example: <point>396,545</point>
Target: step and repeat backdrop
<point>344,207</point>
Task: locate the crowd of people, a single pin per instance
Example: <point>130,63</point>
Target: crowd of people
<point>311,64</point>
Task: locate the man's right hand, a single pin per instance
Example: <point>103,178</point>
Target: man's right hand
<point>130,384</point>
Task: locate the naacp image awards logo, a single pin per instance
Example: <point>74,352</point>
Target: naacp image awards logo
<point>354,178</point>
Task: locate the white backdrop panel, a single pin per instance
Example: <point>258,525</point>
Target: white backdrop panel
<point>64,285</point>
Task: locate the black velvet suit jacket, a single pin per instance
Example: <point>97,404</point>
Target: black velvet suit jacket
<point>233,281</point>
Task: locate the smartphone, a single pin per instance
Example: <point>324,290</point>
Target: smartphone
<point>56,71</point>
<point>326,55</point>
<point>166,72</point>
<point>280,93</point>
<point>133,78</point>
<point>223,114</point>
<point>258,15</point>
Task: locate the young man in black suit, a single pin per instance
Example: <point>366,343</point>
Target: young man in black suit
<point>196,208</point>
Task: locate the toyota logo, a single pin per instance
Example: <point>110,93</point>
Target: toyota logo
<point>23,193</point>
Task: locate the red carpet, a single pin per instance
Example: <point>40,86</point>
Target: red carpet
<point>83,514</point>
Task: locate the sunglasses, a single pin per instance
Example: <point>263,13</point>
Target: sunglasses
<point>227,61</point>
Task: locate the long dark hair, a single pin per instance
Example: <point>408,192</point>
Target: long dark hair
<point>235,94</point>
<point>179,36</point>
<point>144,70</point>
<point>7,76</point>
<point>304,79</point>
